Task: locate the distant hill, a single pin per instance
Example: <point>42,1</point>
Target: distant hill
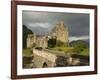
<point>80,47</point>
<point>79,42</point>
<point>26,31</point>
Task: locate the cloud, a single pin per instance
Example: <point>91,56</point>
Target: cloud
<point>42,25</point>
<point>73,38</point>
<point>78,23</point>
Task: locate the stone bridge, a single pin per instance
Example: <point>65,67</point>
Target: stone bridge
<point>48,58</point>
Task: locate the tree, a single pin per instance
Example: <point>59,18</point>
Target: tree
<point>59,44</point>
<point>79,46</point>
<point>51,42</point>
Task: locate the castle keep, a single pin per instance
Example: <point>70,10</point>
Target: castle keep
<point>59,32</point>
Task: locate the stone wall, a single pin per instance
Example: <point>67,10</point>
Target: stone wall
<point>41,42</point>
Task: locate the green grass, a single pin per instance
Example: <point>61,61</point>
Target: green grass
<point>27,52</point>
<point>85,52</point>
<point>72,50</point>
<point>63,49</point>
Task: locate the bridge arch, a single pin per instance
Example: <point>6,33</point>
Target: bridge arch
<point>45,65</point>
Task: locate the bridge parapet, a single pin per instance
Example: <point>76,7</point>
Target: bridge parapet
<point>44,54</point>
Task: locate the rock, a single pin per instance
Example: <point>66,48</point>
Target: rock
<point>76,61</point>
<point>69,61</point>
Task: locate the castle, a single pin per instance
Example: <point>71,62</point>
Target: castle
<point>59,32</point>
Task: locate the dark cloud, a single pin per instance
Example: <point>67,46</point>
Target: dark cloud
<point>41,22</point>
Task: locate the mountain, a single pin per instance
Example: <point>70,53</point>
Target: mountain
<point>80,47</point>
<point>26,31</point>
<point>79,42</point>
<point>39,30</point>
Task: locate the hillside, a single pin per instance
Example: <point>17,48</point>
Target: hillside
<point>26,31</point>
<point>80,47</point>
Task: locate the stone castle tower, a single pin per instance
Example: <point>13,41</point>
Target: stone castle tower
<point>61,32</point>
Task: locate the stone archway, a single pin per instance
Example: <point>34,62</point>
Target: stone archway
<point>45,65</point>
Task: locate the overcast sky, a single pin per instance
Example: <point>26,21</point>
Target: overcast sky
<point>42,22</point>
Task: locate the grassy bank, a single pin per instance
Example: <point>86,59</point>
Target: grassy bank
<point>27,52</point>
<point>71,50</point>
<point>27,57</point>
